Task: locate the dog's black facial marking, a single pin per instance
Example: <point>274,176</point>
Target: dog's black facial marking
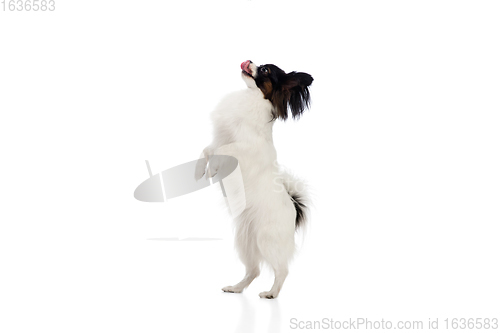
<point>284,91</point>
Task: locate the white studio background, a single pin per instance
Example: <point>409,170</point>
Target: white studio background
<point>401,147</point>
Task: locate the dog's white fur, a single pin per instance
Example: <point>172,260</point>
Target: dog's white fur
<point>265,230</point>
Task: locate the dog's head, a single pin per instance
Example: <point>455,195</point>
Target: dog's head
<point>284,90</point>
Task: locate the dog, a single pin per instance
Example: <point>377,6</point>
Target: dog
<point>277,203</point>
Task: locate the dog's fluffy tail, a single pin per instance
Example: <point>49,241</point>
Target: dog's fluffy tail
<point>297,189</point>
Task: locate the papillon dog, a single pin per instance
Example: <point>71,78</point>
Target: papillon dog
<point>277,203</point>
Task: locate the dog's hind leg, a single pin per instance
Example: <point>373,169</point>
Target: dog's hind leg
<point>280,274</point>
<point>250,257</point>
<point>277,248</point>
<point>251,274</point>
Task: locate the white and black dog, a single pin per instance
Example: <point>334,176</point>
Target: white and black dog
<point>276,202</point>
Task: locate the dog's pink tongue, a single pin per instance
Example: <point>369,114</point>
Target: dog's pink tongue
<point>244,65</point>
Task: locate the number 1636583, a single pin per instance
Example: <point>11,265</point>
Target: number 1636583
<point>28,5</point>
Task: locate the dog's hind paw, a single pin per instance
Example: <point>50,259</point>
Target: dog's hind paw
<point>268,294</point>
<point>232,289</point>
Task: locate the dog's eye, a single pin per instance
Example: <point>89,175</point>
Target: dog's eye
<point>264,70</point>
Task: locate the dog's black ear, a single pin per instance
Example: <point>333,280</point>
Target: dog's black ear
<point>294,94</point>
<point>300,98</point>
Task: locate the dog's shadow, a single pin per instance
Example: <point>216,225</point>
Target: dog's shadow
<point>246,323</point>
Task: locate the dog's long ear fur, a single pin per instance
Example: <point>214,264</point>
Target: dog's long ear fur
<point>293,93</point>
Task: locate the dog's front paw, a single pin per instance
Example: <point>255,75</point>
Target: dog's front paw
<point>232,289</point>
<point>200,168</point>
<point>214,165</point>
<point>268,294</point>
